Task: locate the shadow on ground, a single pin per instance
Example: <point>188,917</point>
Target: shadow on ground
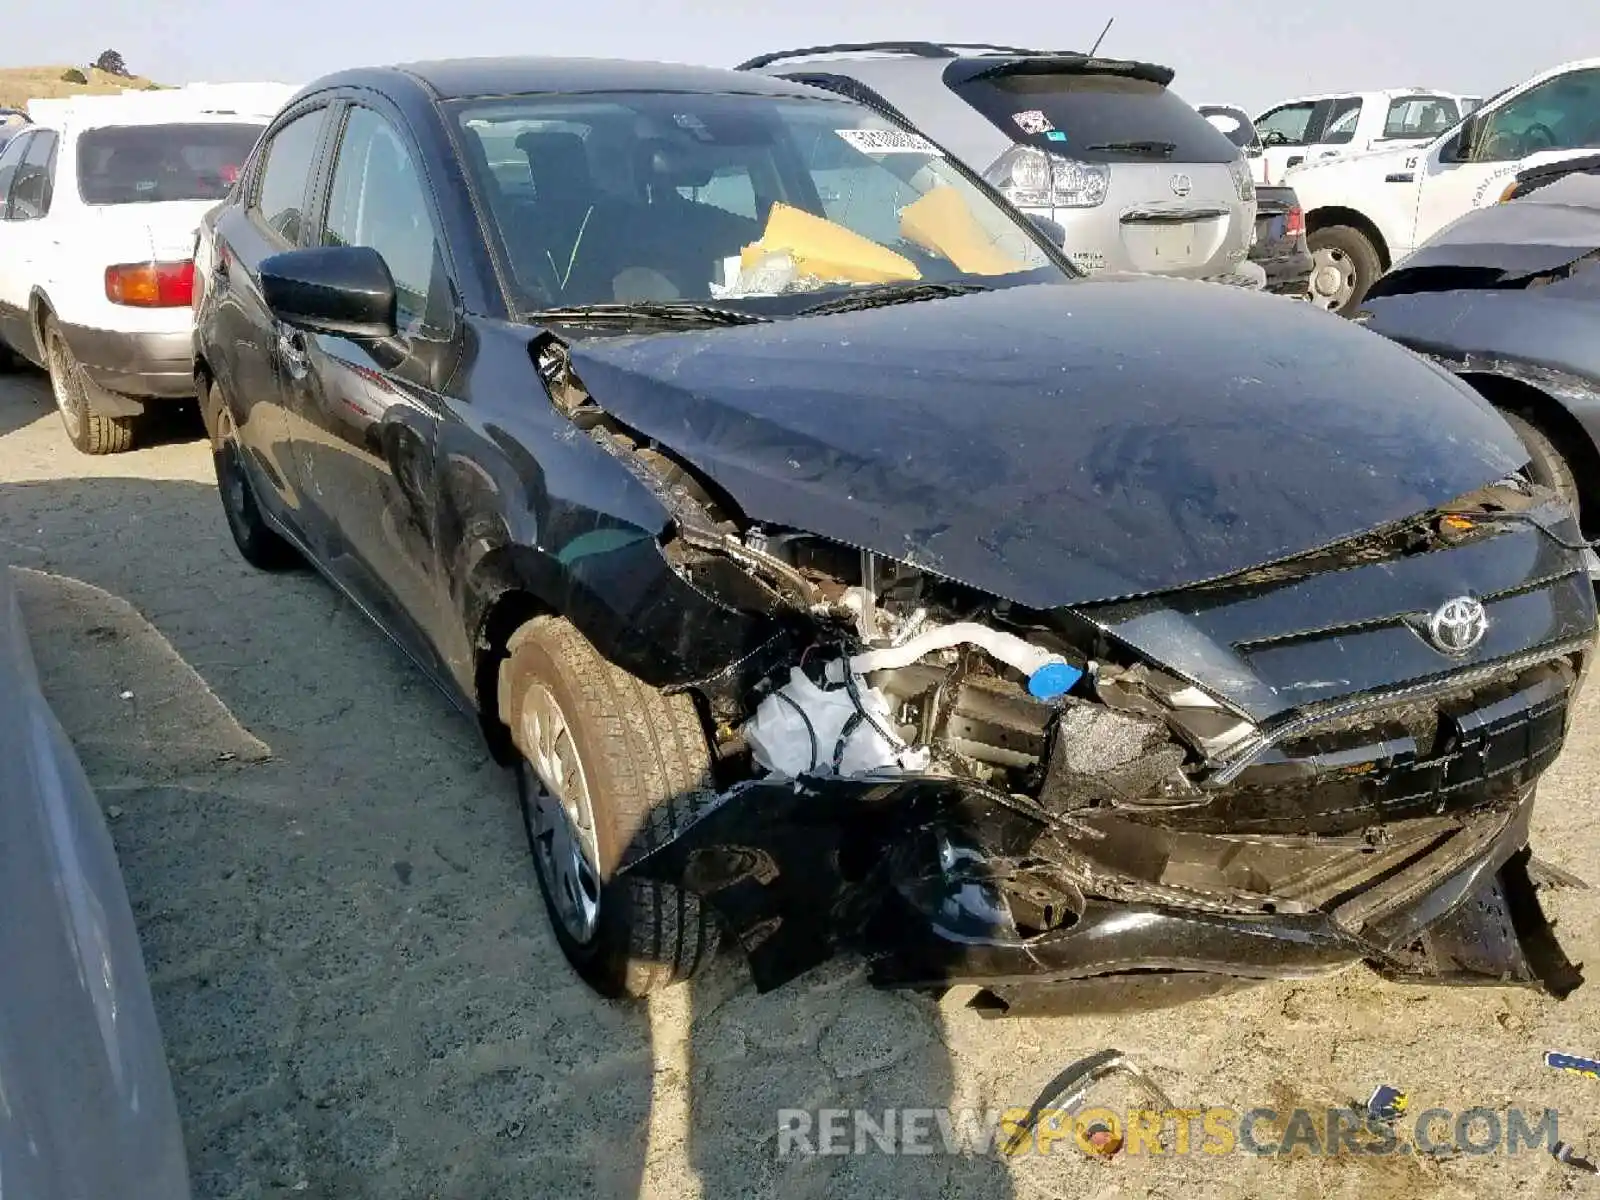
<point>348,951</point>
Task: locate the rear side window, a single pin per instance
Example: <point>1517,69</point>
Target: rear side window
<point>1420,116</point>
<point>1096,118</point>
<point>286,175</point>
<point>148,164</point>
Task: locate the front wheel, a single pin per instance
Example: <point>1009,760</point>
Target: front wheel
<point>1345,264</point>
<point>609,767</point>
<point>89,431</point>
<point>1547,466</point>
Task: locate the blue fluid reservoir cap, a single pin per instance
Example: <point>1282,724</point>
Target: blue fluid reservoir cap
<point>1052,680</point>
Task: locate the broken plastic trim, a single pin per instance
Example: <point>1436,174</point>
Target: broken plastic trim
<point>1231,765</point>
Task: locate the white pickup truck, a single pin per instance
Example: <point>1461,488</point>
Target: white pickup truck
<point>1365,212</point>
<point>1309,129</point>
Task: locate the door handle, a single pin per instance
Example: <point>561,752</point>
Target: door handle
<point>292,350</point>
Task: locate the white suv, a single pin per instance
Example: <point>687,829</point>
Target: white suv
<point>1310,129</point>
<point>99,201</point>
<point>1366,212</point>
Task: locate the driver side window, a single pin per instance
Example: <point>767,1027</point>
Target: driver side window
<point>1560,114</point>
<point>1342,121</point>
<point>378,201</point>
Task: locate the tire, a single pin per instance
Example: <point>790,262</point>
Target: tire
<point>1341,249</point>
<point>91,432</point>
<point>261,545</point>
<point>643,764</point>
<point>1547,466</point>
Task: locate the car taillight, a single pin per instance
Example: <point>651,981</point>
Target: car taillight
<point>1295,223</point>
<point>151,284</point>
<point>1031,178</point>
<point>1244,185</point>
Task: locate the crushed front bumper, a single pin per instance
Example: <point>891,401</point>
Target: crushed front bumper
<point>1406,851</point>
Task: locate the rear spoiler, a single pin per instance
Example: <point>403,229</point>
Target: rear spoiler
<point>965,70</point>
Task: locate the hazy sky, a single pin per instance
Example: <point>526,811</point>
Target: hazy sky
<point>1250,52</point>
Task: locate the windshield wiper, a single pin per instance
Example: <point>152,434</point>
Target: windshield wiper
<point>1155,149</point>
<point>891,293</point>
<point>650,310</point>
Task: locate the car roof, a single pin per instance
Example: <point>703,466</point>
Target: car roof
<point>463,78</point>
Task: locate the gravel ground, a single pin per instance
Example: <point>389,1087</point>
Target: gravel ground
<point>360,997</point>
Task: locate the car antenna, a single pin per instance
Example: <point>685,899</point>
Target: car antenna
<point>1101,38</point>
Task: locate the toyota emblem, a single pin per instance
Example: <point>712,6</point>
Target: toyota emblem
<point>1181,185</point>
<point>1458,626</point>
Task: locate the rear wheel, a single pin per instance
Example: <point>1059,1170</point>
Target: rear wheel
<point>1345,265</point>
<point>261,545</point>
<point>610,767</point>
<point>91,432</point>
<point>1547,466</point>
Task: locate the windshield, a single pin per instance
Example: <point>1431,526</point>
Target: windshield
<point>148,164</point>
<point>657,198</point>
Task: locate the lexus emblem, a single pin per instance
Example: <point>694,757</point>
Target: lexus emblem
<point>1181,185</point>
<point>1458,626</point>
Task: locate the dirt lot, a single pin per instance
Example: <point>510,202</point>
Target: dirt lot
<point>360,997</point>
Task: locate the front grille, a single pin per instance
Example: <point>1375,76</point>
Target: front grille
<point>1452,752</point>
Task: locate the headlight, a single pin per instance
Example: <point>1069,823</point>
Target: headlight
<point>1243,184</point>
<point>1031,178</point>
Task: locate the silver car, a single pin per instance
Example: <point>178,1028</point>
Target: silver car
<point>1137,178</point>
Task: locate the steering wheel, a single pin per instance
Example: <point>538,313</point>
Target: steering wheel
<point>1543,133</point>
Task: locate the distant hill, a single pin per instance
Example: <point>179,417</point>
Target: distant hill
<point>18,85</point>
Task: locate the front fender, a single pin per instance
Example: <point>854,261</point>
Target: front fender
<point>551,515</point>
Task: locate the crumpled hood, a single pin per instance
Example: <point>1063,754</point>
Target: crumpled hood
<point>1502,245</point>
<point>1061,444</point>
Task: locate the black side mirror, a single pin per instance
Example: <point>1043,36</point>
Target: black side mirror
<point>1054,231</point>
<point>1459,148</point>
<point>343,290</point>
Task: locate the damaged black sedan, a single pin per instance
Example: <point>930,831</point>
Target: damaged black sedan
<point>1508,298</point>
<point>842,572</point>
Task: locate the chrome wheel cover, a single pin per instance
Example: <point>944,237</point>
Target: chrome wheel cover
<point>561,815</point>
<point>1333,278</point>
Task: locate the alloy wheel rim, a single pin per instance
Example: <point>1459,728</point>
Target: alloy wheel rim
<point>1333,278</point>
<point>566,846</point>
<point>64,386</point>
